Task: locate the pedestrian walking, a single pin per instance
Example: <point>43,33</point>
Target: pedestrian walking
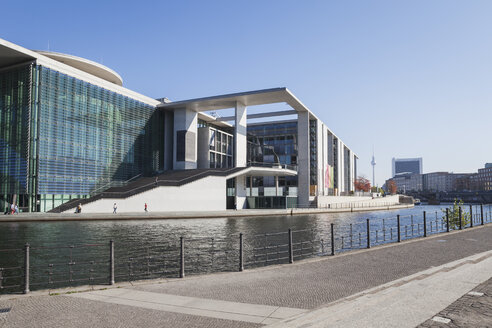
<point>79,208</point>
<point>114,208</point>
<point>12,208</point>
<point>156,179</point>
<point>16,209</point>
<point>145,207</point>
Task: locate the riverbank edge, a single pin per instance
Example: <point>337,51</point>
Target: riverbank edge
<point>139,282</point>
<point>46,217</point>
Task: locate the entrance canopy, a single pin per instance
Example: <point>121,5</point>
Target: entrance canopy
<point>250,98</point>
<point>255,171</point>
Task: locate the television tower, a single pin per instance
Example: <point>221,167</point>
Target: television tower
<point>373,163</point>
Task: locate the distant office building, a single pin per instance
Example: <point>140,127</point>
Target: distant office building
<point>483,179</point>
<point>407,165</point>
<point>434,181</point>
<point>406,182</point>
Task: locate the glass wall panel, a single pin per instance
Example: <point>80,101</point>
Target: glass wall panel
<point>91,138</point>
<point>15,105</point>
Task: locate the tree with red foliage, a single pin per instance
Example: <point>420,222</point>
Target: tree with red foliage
<point>391,187</point>
<point>362,184</point>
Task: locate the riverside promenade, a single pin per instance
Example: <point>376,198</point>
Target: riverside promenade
<point>45,217</point>
<point>396,285</point>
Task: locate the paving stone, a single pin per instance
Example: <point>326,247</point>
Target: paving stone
<point>467,311</point>
<point>67,312</point>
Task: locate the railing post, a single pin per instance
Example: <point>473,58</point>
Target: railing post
<point>425,224</point>
<point>471,216</point>
<point>241,263</point>
<point>368,234</point>
<point>481,213</point>
<point>26,268</point>
<point>181,258</point>
<point>461,224</point>
<point>111,262</point>
<point>447,219</point>
<point>399,228</point>
<point>333,239</point>
<point>291,248</point>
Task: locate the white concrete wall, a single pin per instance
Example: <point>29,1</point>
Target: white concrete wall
<point>320,156</point>
<point>352,171</point>
<point>325,200</point>
<point>241,192</point>
<point>203,148</point>
<point>207,194</point>
<point>303,158</point>
<point>341,184</point>
<point>325,161</point>
<point>186,120</point>
<point>240,136</point>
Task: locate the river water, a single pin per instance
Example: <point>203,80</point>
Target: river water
<point>77,252</point>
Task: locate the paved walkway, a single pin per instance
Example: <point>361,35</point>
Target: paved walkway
<point>474,309</point>
<point>400,285</point>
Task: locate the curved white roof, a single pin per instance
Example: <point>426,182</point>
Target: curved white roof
<point>85,65</point>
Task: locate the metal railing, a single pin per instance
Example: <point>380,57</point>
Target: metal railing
<point>55,266</point>
<point>352,205</point>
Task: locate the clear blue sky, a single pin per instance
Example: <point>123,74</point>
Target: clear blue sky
<point>412,78</point>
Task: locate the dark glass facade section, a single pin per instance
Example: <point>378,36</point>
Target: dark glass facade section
<point>407,167</point>
<point>273,143</point>
<point>336,184</point>
<point>313,155</point>
<point>346,169</point>
<point>15,124</point>
<point>90,137</point>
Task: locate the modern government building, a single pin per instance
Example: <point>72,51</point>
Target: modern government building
<point>71,133</point>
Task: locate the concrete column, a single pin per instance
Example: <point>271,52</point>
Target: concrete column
<point>241,192</point>
<point>303,158</point>
<point>352,171</point>
<point>321,157</point>
<point>341,182</point>
<point>168,140</point>
<point>251,185</point>
<point>185,139</point>
<point>203,148</point>
<point>240,136</point>
<point>276,185</point>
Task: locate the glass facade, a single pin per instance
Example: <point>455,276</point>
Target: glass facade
<point>313,157</point>
<point>220,149</point>
<point>15,109</point>
<point>271,143</point>
<point>63,138</point>
<point>346,170</point>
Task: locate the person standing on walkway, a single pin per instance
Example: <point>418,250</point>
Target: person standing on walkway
<point>156,179</point>
<point>79,208</point>
<point>145,207</point>
<point>114,208</point>
<point>16,208</point>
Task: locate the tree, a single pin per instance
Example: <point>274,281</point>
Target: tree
<point>362,184</point>
<point>454,215</point>
<point>391,187</point>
